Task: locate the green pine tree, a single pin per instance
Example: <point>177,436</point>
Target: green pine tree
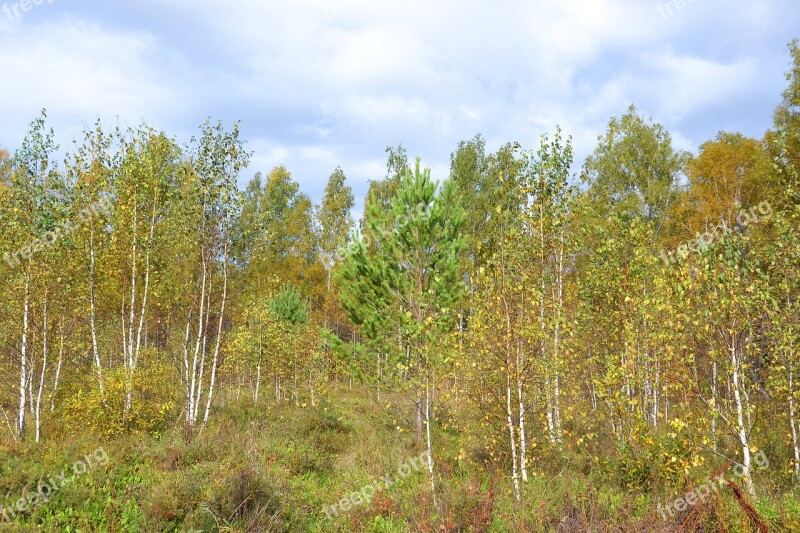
<point>408,283</point>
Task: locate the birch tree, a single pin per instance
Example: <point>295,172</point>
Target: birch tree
<point>91,168</point>
<point>142,188</point>
<point>30,218</point>
<point>213,202</point>
<point>735,294</point>
<point>548,224</point>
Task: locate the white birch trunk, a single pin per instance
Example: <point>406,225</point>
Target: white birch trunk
<point>92,313</point>
<point>716,406</point>
<point>429,447</point>
<point>44,370</point>
<point>124,333</point>
<point>219,334</point>
<point>23,373</point>
<point>204,348</point>
<point>523,441</point>
<point>146,289</point>
<point>185,368</point>
<point>59,363</point>
<point>191,416</point>
<point>512,438</point>
<point>557,345</point>
<point>741,430</point>
<point>132,316</point>
<point>656,390</point>
<point>258,369</point>
<point>8,424</point>
<point>29,381</point>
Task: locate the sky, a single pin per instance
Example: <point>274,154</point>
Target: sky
<point>318,84</point>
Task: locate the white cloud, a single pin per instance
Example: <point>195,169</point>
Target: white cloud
<point>81,70</point>
<point>688,84</point>
<point>321,83</point>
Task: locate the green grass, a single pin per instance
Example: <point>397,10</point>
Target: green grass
<point>274,468</point>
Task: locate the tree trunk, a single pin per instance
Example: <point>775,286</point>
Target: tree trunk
<point>191,414</point>
<point>512,437</point>
<point>23,373</point>
<point>418,405</point>
<point>742,431</point>
<point>59,363</point>
<point>258,369</point>
<point>135,345</point>
<point>128,346</point>
<point>44,370</point>
<point>557,345</point>
<point>219,335</point>
<point>523,445</point>
<point>92,313</point>
<point>8,424</point>
<point>185,369</point>
<point>430,447</point>
<point>716,405</point>
<point>204,348</point>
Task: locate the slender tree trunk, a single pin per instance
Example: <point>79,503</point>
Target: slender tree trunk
<point>258,369</point>
<point>134,346</point>
<point>523,444</point>
<point>132,318</point>
<point>557,344</point>
<point>59,363</point>
<point>29,381</point>
<point>204,347</point>
<point>329,272</point>
<point>715,400</point>
<point>419,415</point>
<point>146,291</point>
<point>44,370</point>
<point>124,333</point>
<point>219,334</point>
<point>512,437</point>
<point>23,373</point>
<point>191,415</point>
<point>8,424</point>
<point>185,371</point>
<point>656,390</point>
<point>430,447</point>
<point>92,313</point>
<point>549,392</point>
<point>741,430</point>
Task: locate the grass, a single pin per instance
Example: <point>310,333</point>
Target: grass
<point>275,467</point>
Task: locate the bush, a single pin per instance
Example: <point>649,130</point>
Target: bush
<point>152,401</point>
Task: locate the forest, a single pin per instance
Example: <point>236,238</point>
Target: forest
<point>531,343</point>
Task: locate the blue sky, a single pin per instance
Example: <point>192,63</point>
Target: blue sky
<point>318,83</point>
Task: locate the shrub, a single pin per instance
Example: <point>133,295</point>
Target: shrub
<point>152,401</point>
